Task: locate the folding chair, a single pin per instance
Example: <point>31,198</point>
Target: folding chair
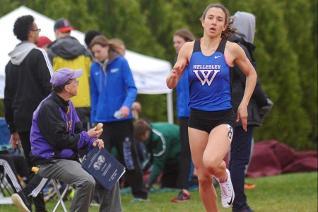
<point>60,195</point>
<point>8,181</point>
<point>5,187</point>
<point>5,190</point>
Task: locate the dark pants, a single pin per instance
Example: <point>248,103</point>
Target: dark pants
<point>185,155</point>
<point>109,200</point>
<point>34,179</point>
<point>120,135</point>
<point>240,156</point>
<point>170,174</point>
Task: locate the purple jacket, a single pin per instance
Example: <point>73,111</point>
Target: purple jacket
<point>56,131</point>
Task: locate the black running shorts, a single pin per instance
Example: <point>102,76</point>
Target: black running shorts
<point>207,120</point>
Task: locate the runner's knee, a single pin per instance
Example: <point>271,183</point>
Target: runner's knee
<point>210,163</point>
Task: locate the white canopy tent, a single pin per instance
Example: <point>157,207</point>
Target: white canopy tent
<point>149,72</point>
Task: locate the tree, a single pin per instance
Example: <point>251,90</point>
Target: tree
<point>288,122</point>
<point>298,33</point>
<point>286,41</point>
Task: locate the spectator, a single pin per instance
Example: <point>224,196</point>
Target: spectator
<point>66,51</point>
<point>241,146</point>
<point>57,136</point>
<point>113,92</point>
<point>43,42</point>
<point>90,35</point>
<point>163,143</point>
<point>27,82</point>
<point>180,37</point>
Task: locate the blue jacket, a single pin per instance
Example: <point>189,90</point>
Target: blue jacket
<point>111,88</point>
<point>56,131</point>
<point>183,96</point>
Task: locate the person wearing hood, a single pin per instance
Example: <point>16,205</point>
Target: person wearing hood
<point>241,145</point>
<point>113,92</point>
<point>27,83</point>
<point>67,51</point>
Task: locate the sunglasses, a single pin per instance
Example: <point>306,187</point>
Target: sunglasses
<point>36,30</point>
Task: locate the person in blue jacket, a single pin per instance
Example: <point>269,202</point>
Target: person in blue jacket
<point>180,37</point>
<point>113,92</point>
<point>208,61</point>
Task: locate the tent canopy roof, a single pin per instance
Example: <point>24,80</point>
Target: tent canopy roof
<point>149,72</point>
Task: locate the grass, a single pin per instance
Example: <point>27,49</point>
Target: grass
<point>288,192</point>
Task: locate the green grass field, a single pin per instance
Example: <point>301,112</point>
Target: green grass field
<point>289,192</point>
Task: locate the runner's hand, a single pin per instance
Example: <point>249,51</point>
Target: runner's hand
<point>242,115</point>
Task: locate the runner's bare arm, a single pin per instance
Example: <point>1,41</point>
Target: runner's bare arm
<point>178,68</point>
<point>247,68</point>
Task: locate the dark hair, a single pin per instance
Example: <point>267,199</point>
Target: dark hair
<point>90,35</point>
<point>141,126</point>
<point>22,27</point>
<point>228,20</point>
<point>185,34</point>
<point>103,41</point>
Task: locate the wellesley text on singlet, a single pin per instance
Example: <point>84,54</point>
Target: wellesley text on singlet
<point>206,67</point>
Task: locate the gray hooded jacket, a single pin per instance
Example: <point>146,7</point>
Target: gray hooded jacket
<point>68,48</point>
<point>245,24</point>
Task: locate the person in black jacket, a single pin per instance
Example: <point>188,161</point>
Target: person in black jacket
<point>27,83</point>
<point>242,140</point>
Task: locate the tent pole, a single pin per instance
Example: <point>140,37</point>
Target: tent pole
<point>170,107</point>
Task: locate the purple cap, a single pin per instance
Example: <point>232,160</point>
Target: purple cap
<point>63,75</point>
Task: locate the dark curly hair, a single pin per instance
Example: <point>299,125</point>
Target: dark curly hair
<point>90,35</point>
<point>23,26</point>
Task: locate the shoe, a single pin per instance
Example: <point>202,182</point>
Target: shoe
<point>182,196</point>
<point>227,191</point>
<point>136,200</point>
<point>21,201</point>
<point>249,186</point>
